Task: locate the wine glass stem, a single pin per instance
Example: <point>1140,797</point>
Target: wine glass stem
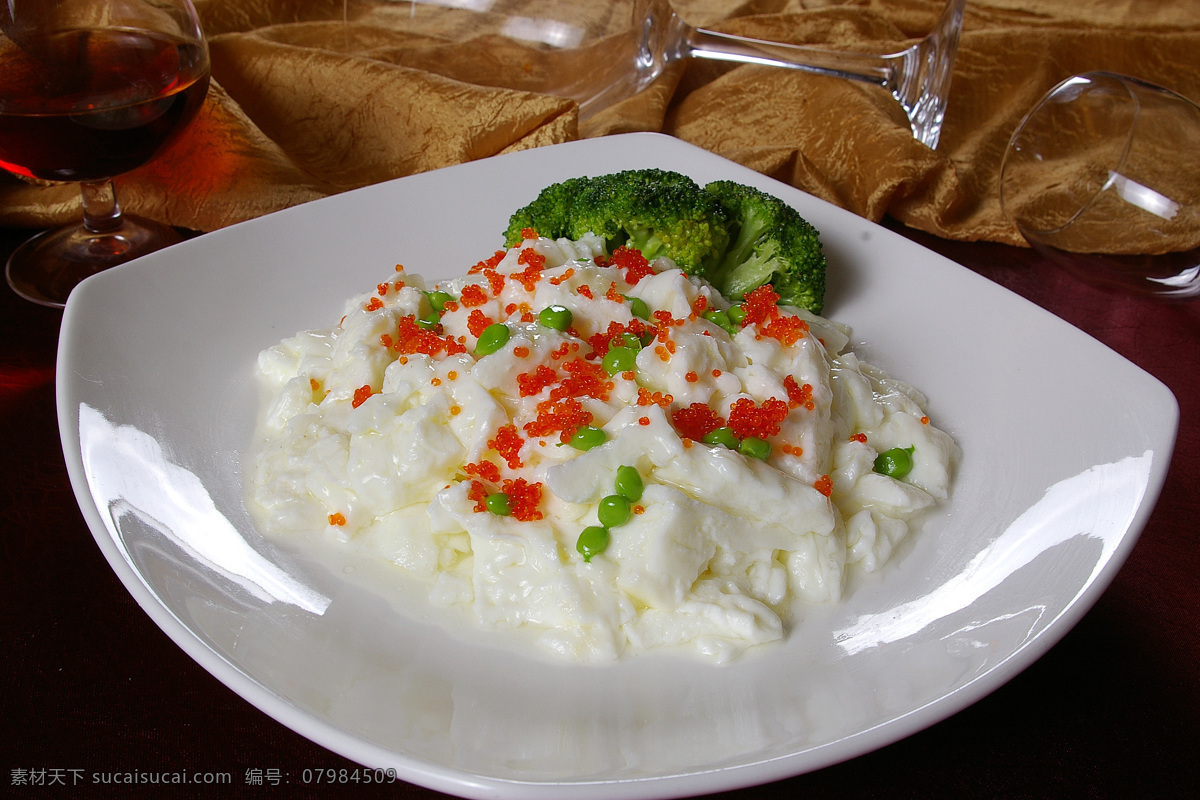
<point>101,211</point>
<point>712,45</point>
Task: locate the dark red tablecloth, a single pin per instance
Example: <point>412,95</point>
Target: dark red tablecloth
<point>92,686</point>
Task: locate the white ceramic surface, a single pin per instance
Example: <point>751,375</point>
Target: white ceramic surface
<point>1065,447</point>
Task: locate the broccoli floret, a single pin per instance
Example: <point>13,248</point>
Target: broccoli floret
<point>733,235</point>
<point>771,244</point>
<point>549,214</point>
<point>658,212</point>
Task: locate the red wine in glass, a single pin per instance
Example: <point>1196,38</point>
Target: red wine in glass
<point>84,104</point>
<point>104,104</point>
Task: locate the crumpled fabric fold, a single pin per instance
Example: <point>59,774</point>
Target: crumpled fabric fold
<point>314,97</point>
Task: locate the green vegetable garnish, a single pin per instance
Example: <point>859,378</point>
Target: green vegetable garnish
<point>438,299</point>
<point>755,447</point>
<point>592,541</point>
<point>722,436</point>
<point>736,236</point>
<point>895,463</point>
<point>737,314</point>
<point>619,359</point>
<point>498,504</point>
<point>492,338</point>
<point>629,484</point>
<point>588,437</point>
<point>638,307</point>
<point>557,318</point>
<point>429,321</point>
<point>614,510</point>
<point>720,319</point>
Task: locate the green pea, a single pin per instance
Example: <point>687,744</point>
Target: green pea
<point>592,541</point>
<point>629,484</point>
<point>588,437</point>
<point>736,315</point>
<point>722,436</point>
<point>720,319</point>
<point>638,307</point>
<point>498,504</point>
<point>619,359</point>
<point>430,320</point>
<point>895,463</point>
<point>558,318</point>
<point>438,299</point>
<point>614,510</point>
<point>492,338</point>
<point>631,341</point>
<point>755,447</point>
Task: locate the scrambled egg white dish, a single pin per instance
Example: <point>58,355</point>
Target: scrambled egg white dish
<point>602,451</point>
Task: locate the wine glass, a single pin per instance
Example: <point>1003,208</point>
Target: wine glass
<point>599,53</point>
<point>1102,177</point>
<point>89,90</point>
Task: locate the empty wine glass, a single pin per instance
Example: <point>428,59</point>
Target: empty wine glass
<point>91,89</point>
<point>599,53</point>
<point>1102,177</point>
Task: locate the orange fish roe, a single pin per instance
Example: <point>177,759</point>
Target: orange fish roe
<point>643,421</point>
<point>716,373</point>
<point>528,233</point>
<point>639,509</point>
<point>859,437</point>
<point>691,377</point>
<point>410,338</point>
<point>382,289</point>
<point>560,351</point>
<point>585,291</point>
<point>532,258</point>
<point>527,316</point>
<point>450,305</point>
<point>360,396</point>
<point>788,329</point>
<point>435,382</point>
<point>530,383</point>
<point>696,421</point>
<point>488,470</point>
<point>603,341</point>
<point>477,321</point>
<point>337,518</point>
<point>495,280</point>
<point>399,268</point>
<point>473,295</point>
<point>699,306</point>
<point>924,420</point>
<point>662,353</point>
<point>452,375</point>
<point>762,421</point>
<point>374,304</point>
<point>613,294</point>
<point>584,379</point>
<point>490,263</point>
<point>824,485</point>
<point>761,305</point>
<point>455,411</point>
<point>648,398</point>
<point>508,444</point>
<point>563,417</point>
<point>561,279</point>
<point>632,262</point>
<point>792,450</point>
<point>523,499</point>
<point>479,493</point>
<point>314,384</point>
<point>521,352</point>
<point>531,275</point>
<point>798,395</point>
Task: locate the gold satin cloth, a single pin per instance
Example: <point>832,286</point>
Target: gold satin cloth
<point>304,104</point>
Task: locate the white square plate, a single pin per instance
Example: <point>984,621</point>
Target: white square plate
<point>1065,448</point>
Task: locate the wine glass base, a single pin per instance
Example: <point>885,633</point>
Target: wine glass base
<point>46,268</point>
